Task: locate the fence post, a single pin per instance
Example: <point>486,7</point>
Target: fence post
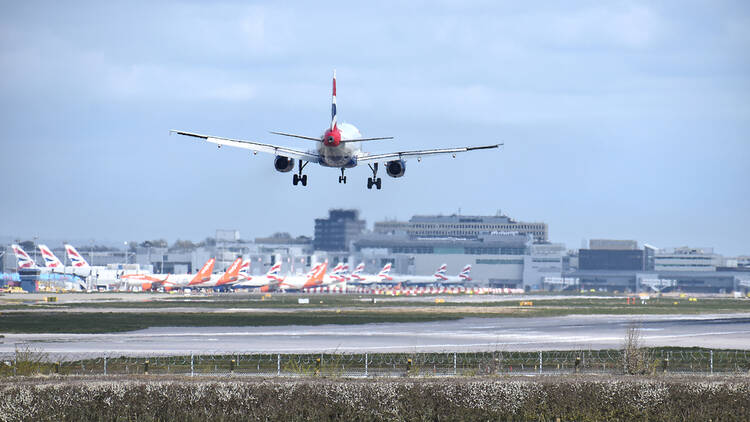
<point>145,367</point>
<point>540,361</point>
<point>192,368</point>
<point>365,365</point>
<point>231,366</point>
<point>454,363</point>
<point>278,364</point>
<point>712,361</point>
<point>105,365</point>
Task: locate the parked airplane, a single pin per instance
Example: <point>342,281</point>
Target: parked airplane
<point>461,278</point>
<point>23,259</point>
<point>338,147</point>
<point>314,278</point>
<point>150,281</point>
<point>52,262</point>
<point>267,282</point>
<point>229,277</point>
<point>82,268</point>
<point>417,280</point>
<point>25,262</point>
<point>368,279</point>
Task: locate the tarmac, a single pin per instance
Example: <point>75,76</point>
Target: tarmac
<point>575,332</point>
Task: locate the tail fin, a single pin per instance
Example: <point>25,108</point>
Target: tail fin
<point>50,260</point>
<point>244,270</point>
<point>204,274</point>
<point>273,272</point>
<point>75,258</point>
<point>358,270</point>
<point>440,273</point>
<point>383,274</point>
<point>24,260</point>
<point>333,103</point>
<point>230,276</point>
<point>464,275</point>
<point>318,273</point>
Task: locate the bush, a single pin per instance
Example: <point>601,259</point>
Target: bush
<point>580,398</point>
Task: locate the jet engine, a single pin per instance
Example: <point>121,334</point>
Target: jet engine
<point>395,168</point>
<point>283,164</point>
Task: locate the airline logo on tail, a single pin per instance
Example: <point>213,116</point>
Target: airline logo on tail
<point>383,274</point>
<point>75,258</point>
<point>317,274</point>
<point>464,275</point>
<point>339,272</point>
<point>204,274</point>
<point>356,274</point>
<point>274,271</point>
<point>232,273</point>
<point>244,273</point>
<point>440,274</point>
<point>24,260</point>
<point>50,260</point>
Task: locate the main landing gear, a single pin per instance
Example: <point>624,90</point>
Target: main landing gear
<point>299,177</point>
<point>374,180</point>
<point>342,178</point>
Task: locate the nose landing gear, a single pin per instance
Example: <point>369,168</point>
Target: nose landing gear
<point>342,178</point>
<point>374,180</point>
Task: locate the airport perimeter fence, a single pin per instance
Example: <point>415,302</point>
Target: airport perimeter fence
<point>28,362</point>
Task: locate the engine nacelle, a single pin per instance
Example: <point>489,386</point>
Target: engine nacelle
<point>395,168</point>
<point>283,164</point>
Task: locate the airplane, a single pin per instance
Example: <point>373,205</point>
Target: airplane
<point>229,277</point>
<point>82,268</point>
<point>366,279</point>
<point>314,278</point>
<point>148,281</point>
<point>52,262</point>
<point>338,276</point>
<point>267,282</point>
<point>416,280</point>
<point>461,278</point>
<point>25,262</point>
<point>338,147</point>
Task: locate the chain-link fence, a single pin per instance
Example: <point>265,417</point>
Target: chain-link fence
<point>25,361</point>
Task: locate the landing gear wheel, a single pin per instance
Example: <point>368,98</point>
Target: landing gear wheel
<point>303,179</point>
<point>342,178</point>
<point>374,180</point>
<point>295,180</point>
<point>369,183</point>
<point>299,177</point>
<point>378,183</point>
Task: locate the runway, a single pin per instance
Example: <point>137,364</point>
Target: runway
<point>728,331</point>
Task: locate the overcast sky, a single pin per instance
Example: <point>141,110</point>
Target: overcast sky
<point>626,120</point>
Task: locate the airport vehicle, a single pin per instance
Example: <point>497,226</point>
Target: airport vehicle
<point>338,147</point>
<point>357,278</point>
<point>314,278</point>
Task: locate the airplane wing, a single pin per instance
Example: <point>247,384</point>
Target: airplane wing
<point>255,146</point>
<point>364,159</point>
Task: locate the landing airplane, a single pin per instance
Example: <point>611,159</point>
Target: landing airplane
<point>338,147</point>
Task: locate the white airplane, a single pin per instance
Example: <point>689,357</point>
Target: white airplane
<point>369,279</point>
<point>338,147</point>
<point>52,262</point>
<point>267,282</point>
<point>314,278</point>
<point>82,268</point>
<point>417,280</point>
<point>461,278</point>
<point>24,262</point>
<point>338,277</point>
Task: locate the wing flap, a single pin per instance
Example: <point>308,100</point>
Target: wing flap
<point>419,153</point>
<point>254,146</point>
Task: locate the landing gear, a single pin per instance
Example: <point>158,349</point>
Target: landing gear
<point>374,180</point>
<point>342,178</point>
<point>299,177</point>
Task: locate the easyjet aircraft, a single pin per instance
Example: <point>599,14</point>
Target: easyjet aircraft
<point>169,281</point>
<point>229,277</point>
<point>312,279</point>
<point>338,147</point>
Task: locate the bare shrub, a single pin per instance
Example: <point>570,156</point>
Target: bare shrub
<point>634,354</point>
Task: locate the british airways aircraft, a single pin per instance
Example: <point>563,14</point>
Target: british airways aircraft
<point>338,147</point>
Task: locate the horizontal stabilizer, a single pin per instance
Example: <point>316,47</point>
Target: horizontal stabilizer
<point>343,141</point>
<point>309,138</point>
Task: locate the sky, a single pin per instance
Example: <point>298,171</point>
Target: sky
<point>622,119</point>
